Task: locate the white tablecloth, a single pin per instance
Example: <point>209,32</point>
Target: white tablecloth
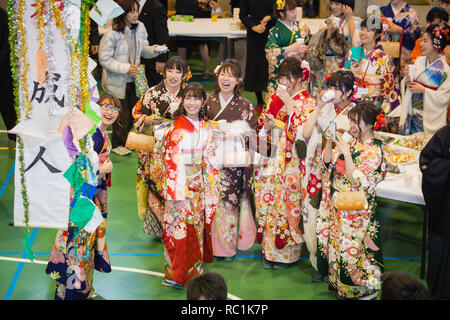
<point>204,27</point>
<point>406,187</point>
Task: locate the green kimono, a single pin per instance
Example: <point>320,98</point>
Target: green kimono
<point>280,37</point>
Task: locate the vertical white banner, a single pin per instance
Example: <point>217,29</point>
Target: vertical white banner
<point>45,162</point>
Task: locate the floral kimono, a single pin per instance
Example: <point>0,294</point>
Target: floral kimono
<point>278,189</point>
<point>190,174</point>
<point>157,101</point>
<point>280,36</point>
<point>311,151</point>
<point>76,252</point>
<point>426,112</point>
<point>377,83</point>
<point>234,183</point>
<point>349,241</point>
<point>409,20</point>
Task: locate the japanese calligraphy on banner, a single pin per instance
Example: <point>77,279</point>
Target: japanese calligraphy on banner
<point>49,96</point>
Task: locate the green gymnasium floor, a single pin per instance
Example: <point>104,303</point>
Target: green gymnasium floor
<point>138,262</point>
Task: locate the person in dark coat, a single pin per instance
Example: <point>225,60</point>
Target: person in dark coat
<point>257,17</point>
<point>435,166</point>
<point>6,85</point>
<point>153,15</point>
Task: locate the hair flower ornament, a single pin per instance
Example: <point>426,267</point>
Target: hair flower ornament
<point>217,69</point>
<point>380,122</point>
<point>306,70</point>
<point>281,4</point>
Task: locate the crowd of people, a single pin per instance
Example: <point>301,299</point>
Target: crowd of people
<point>224,174</point>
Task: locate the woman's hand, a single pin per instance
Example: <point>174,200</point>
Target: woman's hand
<point>214,5</point>
<point>105,167</point>
<point>348,11</point>
<point>342,146</point>
<point>393,28</point>
<point>260,28</point>
<point>269,121</point>
<point>132,72</point>
<point>265,20</point>
<point>355,68</point>
<point>295,48</point>
<point>416,88</point>
<point>330,29</point>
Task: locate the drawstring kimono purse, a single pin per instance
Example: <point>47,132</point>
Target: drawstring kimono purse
<point>140,81</point>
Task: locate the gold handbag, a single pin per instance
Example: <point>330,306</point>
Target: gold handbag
<point>391,48</point>
<point>139,141</point>
<point>350,200</point>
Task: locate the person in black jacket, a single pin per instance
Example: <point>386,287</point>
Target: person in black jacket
<point>154,16</point>
<point>434,163</point>
<point>6,84</point>
<point>257,17</point>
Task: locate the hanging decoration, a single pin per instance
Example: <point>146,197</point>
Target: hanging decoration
<point>57,115</point>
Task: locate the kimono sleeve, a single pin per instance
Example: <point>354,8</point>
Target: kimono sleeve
<point>389,89</point>
<point>369,163</point>
<point>137,113</point>
<point>210,176</point>
<point>411,30</point>
<point>175,183</point>
<point>274,52</point>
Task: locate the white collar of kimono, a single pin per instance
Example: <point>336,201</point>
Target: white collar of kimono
<point>195,123</point>
<point>395,11</point>
<point>285,24</point>
<point>224,103</point>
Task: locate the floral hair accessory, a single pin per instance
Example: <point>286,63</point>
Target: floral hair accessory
<point>216,70</point>
<point>305,70</point>
<point>189,74</point>
<point>281,4</point>
<point>438,33</point>
<point>380,122</point>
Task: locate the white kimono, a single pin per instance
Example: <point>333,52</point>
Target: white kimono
<point>435,99</point>
<point>312,181</point>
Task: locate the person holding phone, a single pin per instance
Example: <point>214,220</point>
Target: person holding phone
<point>349,241</point>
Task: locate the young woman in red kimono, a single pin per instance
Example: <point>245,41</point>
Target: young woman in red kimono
<point>190,190</point>
<point>278,192</point>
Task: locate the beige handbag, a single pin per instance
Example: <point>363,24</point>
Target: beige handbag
<point>391,48</point>
<point>139,141</point>
<point>350,200</point>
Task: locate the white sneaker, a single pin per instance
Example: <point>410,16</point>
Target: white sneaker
<point>121,151</point>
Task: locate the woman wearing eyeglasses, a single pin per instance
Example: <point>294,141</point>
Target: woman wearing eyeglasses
<point>78,251</point>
